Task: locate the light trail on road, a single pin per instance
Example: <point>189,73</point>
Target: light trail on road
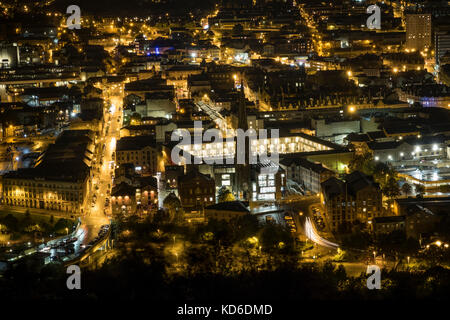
<point>312,234</point>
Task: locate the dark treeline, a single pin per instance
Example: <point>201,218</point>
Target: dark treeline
<point>134,277</point>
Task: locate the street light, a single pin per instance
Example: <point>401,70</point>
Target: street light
<point>374,256</point>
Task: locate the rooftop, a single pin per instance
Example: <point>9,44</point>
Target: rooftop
<point>237,206</point>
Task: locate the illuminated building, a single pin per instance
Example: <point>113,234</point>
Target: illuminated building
<point>196,191</point>
<point>130,199</point>
<point>383,225</point>
<point>290,143</point>
<point>441,44</point>
<point>358,198</point>
<point>142,152</point>
<point>60,179</point>
<point>9,56</point>
<point>308,174</point>
<point>267,185</point>
<point>418,31</point>
<point>171,175</point>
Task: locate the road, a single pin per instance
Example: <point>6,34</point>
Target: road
<point>301,211</point>
<point>102,169</point>
<point>102,182</point>
<point>324,249</point>
<point>316,37</point>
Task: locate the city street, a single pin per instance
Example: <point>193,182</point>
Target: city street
<point>102,179</point>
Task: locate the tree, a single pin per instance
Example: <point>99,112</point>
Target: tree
<point>382,172</point>
<point>161,216</point>
<point>27,221</point>
<point>363,163</point>
<point>245,226</point>
<point>406,189</point>
<point>420,189</point>
<point>225,195</point>
<point>273,236</point>
<point>444,188</point>
<point>61,225</point>
<point>360,240</point>
<point>391,188</point>
<point>11,222</point>
<point>173,206</point>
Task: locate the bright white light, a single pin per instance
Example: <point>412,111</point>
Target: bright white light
<point>312,235</point>
<point>112,143</point>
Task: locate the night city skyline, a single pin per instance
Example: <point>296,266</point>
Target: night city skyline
<point>257,151</point>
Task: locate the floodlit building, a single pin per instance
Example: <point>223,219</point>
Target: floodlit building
<point>418,31</point>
